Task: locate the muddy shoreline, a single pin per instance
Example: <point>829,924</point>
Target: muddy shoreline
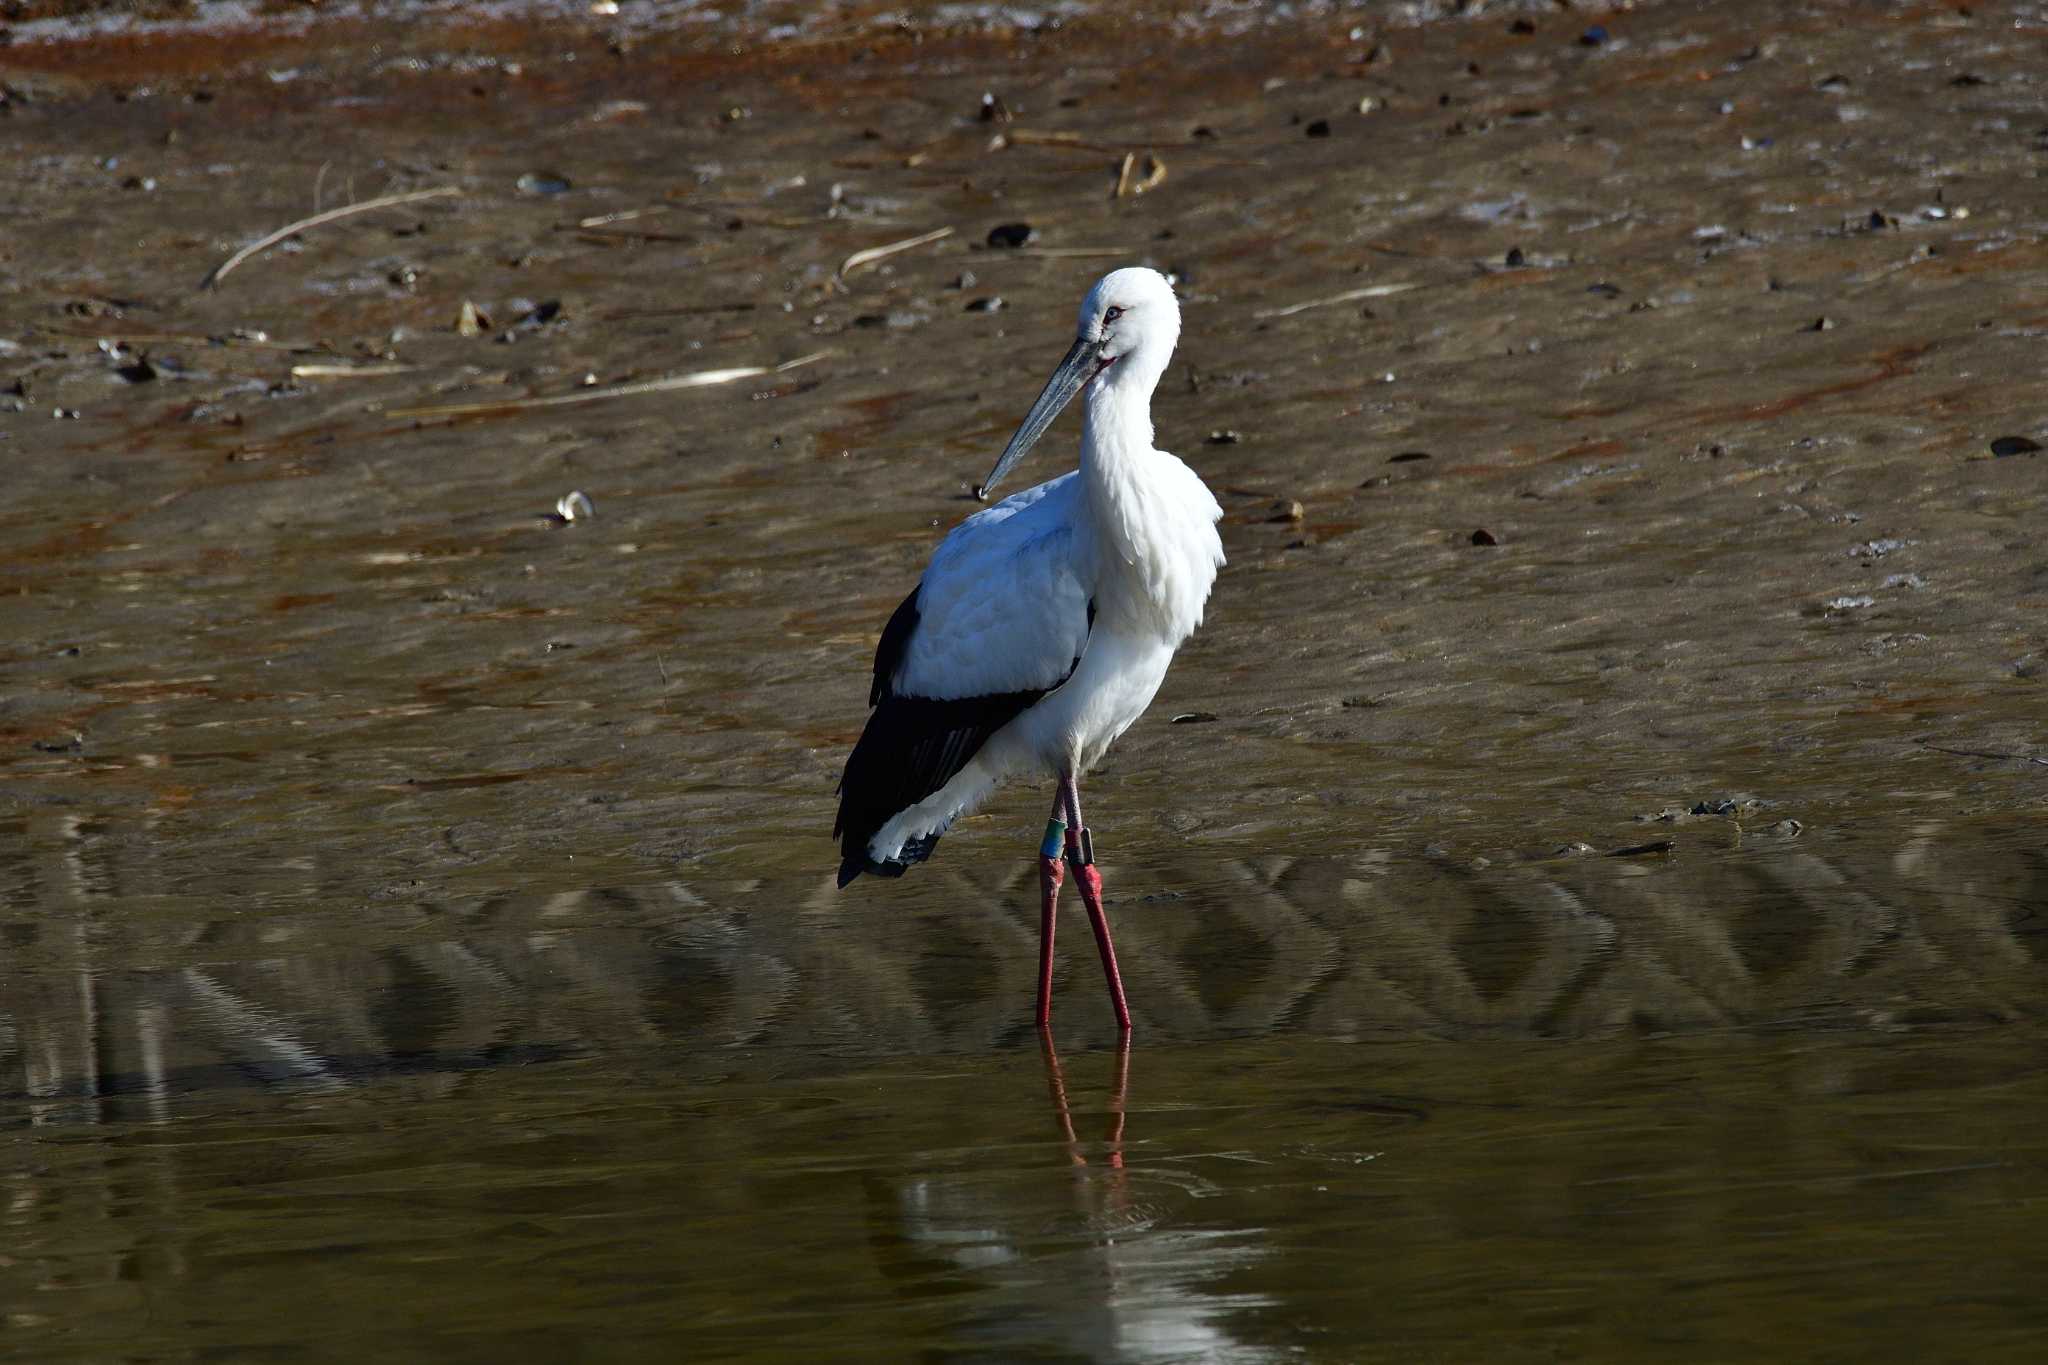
<point>1711,326</point>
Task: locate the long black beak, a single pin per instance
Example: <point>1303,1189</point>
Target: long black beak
<point>1077,369</point>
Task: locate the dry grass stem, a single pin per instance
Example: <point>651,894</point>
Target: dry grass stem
<point>1371,291</point>
<point>348,371</point>
<point>860,259</point>
<point>624,216</point>
<point>699,379</point>
<point>1130,182</point>
<point>1025,137</point>
<point>213,276</point>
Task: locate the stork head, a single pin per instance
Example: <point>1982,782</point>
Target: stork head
<point>1132,320</point>
<point>1128,326</point>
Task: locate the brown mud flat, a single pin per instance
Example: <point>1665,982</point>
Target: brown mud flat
<point>1710,327</point>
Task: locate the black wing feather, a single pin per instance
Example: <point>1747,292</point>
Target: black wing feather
<point>895,644</point>
<point>912,746</point>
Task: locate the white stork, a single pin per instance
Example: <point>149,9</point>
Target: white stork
<point>1044,624</point>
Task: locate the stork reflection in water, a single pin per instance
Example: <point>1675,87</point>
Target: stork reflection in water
<point>1043,625</point>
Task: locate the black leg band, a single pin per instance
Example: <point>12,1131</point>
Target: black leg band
<point>1086,838</point>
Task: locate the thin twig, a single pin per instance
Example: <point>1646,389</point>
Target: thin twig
<point>879,253</point>
<point>1128,181</point>
<point>1371,291</point>
<point>698,380</point>
<point>681,310</point>
<point>348,371</point>
<point>1979,753</point>
<point>213,276</point>
<point>1026,137</point>
<point>623,216</point>
<point>606,236</point>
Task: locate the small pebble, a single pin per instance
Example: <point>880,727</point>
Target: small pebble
<point>1482,536</point>
<point>988,305</point>
<point>1011,234</point>
<point>1224,437</point>
<point>1319,128</point>
<point>2014,445</point>
<point>1724,805</point>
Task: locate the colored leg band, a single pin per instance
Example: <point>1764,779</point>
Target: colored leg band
<point>1081,848</point>
<point>1055,835</point>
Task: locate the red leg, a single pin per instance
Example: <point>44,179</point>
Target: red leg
<point>1050,875</point>
<point>1090,885</point>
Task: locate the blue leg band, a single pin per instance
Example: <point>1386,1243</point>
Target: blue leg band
<point>1055,838</point>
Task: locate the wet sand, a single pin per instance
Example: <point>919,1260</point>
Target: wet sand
<point>334,773</point>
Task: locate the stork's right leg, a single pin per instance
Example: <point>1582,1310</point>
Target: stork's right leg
<point>1081,853</point>
<point>1051,872</point>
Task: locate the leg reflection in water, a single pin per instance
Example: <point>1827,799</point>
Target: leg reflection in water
<point>1026,1256</point>
<point>1119,1089</point>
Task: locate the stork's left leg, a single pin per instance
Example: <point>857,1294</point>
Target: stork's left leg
<point>1050,875</point>
<point>1081,857</point>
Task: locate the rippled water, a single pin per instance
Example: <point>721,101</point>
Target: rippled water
<point>1714,1107</point>
<point>419,931</point>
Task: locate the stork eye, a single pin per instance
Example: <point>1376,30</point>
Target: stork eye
<point>1112,314</point>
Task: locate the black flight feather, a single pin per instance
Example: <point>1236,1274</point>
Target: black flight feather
<point>912,746</point>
